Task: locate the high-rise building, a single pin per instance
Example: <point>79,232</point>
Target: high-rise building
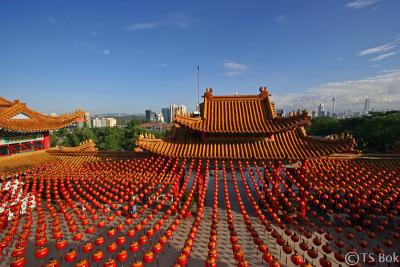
<point>366,105</point>
<point>96,123</point>
<point>159,117</point>
<point>104,122</point>
<point>166,112</point>
<point>177,109</point>
<point>333,105</point>
<point>149,115</point>
<point>321,110</point>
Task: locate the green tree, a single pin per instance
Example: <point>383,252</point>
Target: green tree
<point>322,126</point>
<point>376,133</point>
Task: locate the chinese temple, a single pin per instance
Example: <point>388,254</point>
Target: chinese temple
<point>223,189</point>
<point>23,130</point>
<point>244,127</point>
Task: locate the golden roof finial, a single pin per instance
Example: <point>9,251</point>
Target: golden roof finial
<point>264,93</point>
<point>209,93</point>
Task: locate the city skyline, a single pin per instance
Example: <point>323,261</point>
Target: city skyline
<point>129,56</point>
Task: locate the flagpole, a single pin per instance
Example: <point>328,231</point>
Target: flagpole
<point>198,87</point>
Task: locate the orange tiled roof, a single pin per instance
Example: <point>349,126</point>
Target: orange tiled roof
<point>241,114</point>
<point>293,144</point>
<point>35,121</point>
<point>87,145</point>
<point>244,127</point>
<point>156,124</point>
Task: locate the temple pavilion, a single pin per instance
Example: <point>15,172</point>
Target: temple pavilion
<point>22,129</point>
<point>244,127</point>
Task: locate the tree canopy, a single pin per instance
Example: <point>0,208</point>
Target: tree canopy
<point>376,133</point>
<point>112,139</point>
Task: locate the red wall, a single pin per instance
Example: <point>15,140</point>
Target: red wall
<point>46,141</point>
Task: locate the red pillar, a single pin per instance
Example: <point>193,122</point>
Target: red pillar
<point>46,139</point>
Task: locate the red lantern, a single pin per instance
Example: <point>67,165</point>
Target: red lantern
<point>121,240</point>
<point>19,261</point>
<point>61,244</point>
<point>287,249</point>
<point>122,255</point>
<point>99,240</point>
<point>304,246</point>
<point>52,263</point>
<point>111,232</point>
<point>78,236</point>
<point>297,259</point>
<point>238,255</point>
<point>110,263</point>
<point>131,233</point>
<point>98,256</point>
<point>312,253</point>
<point>71,255</point>
<point>18,251</point>
<point>134,247</point>
<point>112,247</point>
<point>211,262</point>
<point>327,249</point>
<point>148,257</point>
<point>82,263</point>
<point>87,247</point>
<point>163,240</point>
<point>325,262</point>
<point>143,240</point>
<point>267,256</point>
<point>157,248</point>
<point>137,264</point>
<point>182,259</point>
<point>275,263</point>
<point>41,252</point>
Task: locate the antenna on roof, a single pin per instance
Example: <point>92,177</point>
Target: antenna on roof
<point>198,87</point>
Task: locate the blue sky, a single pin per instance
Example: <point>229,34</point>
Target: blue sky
<point>125,56</point>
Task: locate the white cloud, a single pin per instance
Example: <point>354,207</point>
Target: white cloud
<point>234,69</point>
<point>358,4</point>
<point>378,49</point>
<point>177,19</point>
<point>104,52</point>
<point>383,56</point>
<point>142,26</point>
<point>383,91</point>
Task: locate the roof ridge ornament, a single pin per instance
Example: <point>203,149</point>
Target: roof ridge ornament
<point>264,93</point>
<point>208,94</point>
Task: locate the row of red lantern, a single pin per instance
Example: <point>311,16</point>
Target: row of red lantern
<point>183,257</point>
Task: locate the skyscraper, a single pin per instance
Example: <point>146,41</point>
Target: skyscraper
<point>149,115</point>
<point>321,110</point>
<point>366,105</point>
<point>333,105</point>
<point>166,112</point>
